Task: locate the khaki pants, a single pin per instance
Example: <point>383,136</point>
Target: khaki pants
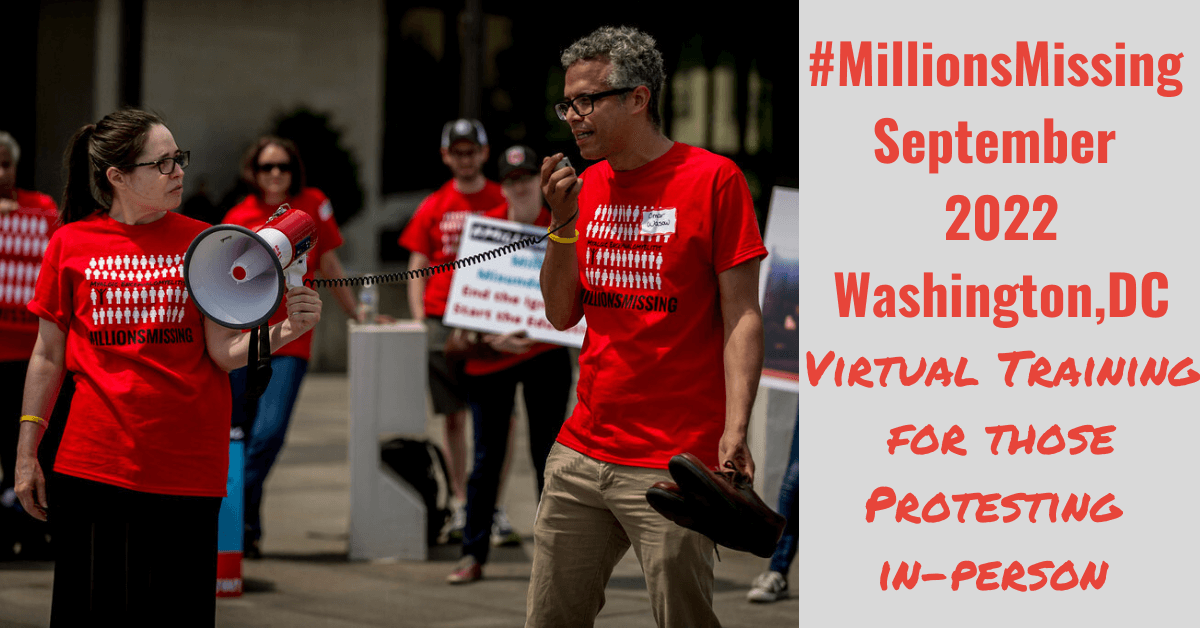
<point>589,515</point>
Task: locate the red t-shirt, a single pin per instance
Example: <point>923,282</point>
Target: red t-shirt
<point>151,409</point>
<point>252,213</point>
<point>434,231</point>
<point>652,242</point>
<point>485,366</point>
<point>23,236</point>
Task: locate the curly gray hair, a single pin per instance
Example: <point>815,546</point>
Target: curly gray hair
<point>635,61</point>
<point>9,142</point>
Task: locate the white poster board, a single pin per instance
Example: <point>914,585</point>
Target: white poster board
<point>503,294</point>
<point>778,287</point>
<point>1113,180</point>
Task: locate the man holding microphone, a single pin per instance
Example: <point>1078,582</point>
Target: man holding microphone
<point>660,249</point>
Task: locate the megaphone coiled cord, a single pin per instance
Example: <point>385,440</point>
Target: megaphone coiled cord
<point>429,271</point>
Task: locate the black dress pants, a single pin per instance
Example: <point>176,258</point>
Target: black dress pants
<point>127,558</point>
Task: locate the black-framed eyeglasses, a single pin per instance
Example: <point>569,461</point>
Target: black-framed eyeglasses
<point>166,165</point>
<point>584,104</point>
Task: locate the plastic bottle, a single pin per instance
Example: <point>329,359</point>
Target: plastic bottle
<point>368,304</point>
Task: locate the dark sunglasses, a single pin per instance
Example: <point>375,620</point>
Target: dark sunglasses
<point>283,167</point>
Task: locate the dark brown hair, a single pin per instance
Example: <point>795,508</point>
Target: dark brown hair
<point>114,141</point>
<point>250,163</point>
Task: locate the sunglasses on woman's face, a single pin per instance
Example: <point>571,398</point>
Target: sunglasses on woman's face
<point>283,167</point>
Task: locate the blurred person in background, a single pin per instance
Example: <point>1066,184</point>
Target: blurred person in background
<point>496,364</point>
<point>27,220</point>
<point>772,584</point>
<point>273,171</point>
<point>141,470</point>
<point>432,239</point>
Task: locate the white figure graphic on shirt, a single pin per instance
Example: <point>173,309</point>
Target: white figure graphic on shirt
<point>95,317</point>
<point>108,296</point>
<point>162,313</point>
<point>185,295</point>
<point>136,316</point>
<point>109,315</point>
<point>128,295</point>
<point>162,295</point>
<point>153,315</point>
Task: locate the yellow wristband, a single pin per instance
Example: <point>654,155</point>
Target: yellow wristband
<point>34,419</point>
<point>563,240</point>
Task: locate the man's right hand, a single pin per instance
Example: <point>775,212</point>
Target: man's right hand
<point>561,189</point>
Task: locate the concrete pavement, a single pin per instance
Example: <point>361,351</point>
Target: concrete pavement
<point>305,579</point>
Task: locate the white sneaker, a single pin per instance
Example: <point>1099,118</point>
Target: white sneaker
<point>503,534</point>
<point>454,532</point>
<point>769,586</point>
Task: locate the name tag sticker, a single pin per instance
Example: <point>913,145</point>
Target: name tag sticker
<point>658,222</point>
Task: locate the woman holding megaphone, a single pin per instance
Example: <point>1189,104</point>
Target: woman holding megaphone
<point>139,476</point>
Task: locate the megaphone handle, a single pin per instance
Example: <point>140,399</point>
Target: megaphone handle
<point>258,373</point>
<point>293,275</point>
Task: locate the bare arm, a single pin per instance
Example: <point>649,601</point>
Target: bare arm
<point>42,381</point>
<point>743,360</point>
<point>331,268</point>
<point>229,348</point>
<point>416,286</point>
<point>560,267</point>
